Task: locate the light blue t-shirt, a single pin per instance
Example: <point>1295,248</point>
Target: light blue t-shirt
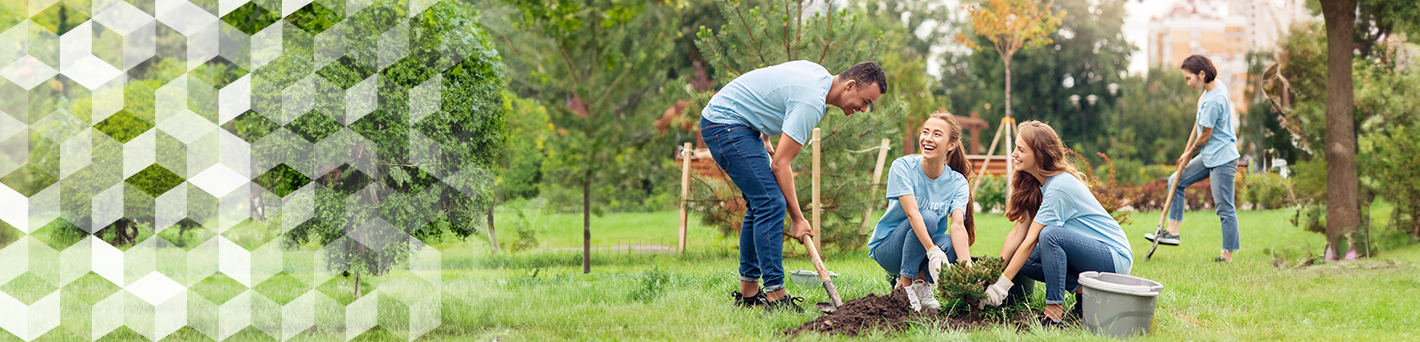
<point>947,193</point>
<point>1066,201</point>
<point>787,98</point>
<point>1216,112</point>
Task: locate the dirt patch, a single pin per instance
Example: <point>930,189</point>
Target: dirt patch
<point>886,313</point>
<point>893,314</point>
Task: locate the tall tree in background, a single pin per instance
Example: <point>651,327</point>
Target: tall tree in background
<point>1343,206</point>
<point>594,63</point>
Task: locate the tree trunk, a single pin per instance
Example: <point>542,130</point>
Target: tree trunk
<point>1007,59</point>
<point>357,285</point>
<point>1342,209</point>
<point>1010,129</point>
<point>493,233</point>
<point>587,223</point>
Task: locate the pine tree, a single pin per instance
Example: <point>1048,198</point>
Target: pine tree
<point>836,39</point>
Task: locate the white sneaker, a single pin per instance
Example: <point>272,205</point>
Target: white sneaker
<point>925,295</point>
<point>912,297</point>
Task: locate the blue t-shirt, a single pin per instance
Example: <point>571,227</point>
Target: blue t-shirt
<point>1216,112</point>
<point>787,98</point>
<point>1066,201</point>
<point>949,192</point>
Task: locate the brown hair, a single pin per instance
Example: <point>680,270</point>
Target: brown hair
<point>1051,155</point>
<point>956,160</point>
<point>1198,63</point>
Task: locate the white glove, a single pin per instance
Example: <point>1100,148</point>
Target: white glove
<point>996,293</point>
<point>935,259</point>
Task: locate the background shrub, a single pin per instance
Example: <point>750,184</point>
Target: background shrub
<point>1266,191</point>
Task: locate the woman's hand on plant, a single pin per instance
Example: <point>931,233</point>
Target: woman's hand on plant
<point>996,293</point>
<point>935,259</point>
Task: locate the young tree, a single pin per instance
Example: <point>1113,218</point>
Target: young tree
<point>1012,25</point>
<point>1086,54</point>
<point>597,61</point>
<point>835,38</point>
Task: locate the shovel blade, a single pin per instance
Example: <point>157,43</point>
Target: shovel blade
<point>826,307</point>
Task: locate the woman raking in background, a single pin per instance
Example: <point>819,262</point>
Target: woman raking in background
<point>1217,157</point>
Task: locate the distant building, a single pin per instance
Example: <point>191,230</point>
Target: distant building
<point>1225,31</point>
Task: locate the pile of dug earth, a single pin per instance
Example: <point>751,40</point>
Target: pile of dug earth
<point>889,313</point>
<point>892,314</point>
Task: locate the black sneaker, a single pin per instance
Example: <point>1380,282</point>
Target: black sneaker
<point>744,302</point>
<point>1165,238</point>
<point>1047,322</point>
<point>790,303</point>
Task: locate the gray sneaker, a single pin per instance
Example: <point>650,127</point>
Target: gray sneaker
<point>1165,238</point>
<point>912,299</point>
<point>925,296</point>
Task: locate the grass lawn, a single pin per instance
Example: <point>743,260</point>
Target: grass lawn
<point>535,296</point>
<point>542,295</point>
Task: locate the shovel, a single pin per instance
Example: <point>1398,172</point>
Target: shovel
<point>828,307</point>
<point>1178,173</point>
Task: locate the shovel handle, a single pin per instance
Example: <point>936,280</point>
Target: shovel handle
<point>822,271</point>
<point>1168,201</point>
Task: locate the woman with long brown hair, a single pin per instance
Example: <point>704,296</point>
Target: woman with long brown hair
<point>1061,230</point>
<point>928,222</point>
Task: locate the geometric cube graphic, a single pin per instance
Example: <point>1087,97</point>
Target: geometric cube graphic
<point>216,169</point>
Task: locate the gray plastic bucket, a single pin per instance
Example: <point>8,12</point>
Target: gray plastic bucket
<point>809,277</point>
<point>1119,305</point>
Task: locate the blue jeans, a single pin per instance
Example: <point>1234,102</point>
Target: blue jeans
<point>903,254</point>
<point>739,150</point>
<point>1222,184</point>
<point>1060,256</point>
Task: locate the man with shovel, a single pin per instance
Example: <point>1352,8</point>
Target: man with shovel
<point>787,100</point>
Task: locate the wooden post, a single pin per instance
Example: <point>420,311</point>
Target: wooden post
<point>684,193</point>
<point>1010,123</point>
<point>492,233</point>
<point>989,152</point>
<point>877,175</point>
<point>816,205</point>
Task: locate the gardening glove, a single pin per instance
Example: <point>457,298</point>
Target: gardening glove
<point>996,293</point>
<point>935,259</point>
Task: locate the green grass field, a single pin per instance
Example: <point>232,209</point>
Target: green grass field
<point>543,296</point>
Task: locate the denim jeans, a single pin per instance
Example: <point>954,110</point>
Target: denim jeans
<point>903,254</point>
<point>1060,256</point>
<point>739,150</point>
<point>1222,183</point>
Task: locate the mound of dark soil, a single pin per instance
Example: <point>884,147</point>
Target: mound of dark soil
<point>887,313</point>
<point>892,313</point>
